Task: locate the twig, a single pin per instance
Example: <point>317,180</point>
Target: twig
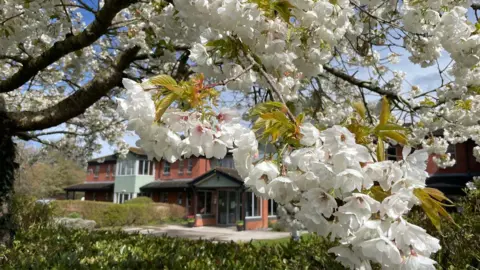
<point>273,86</point>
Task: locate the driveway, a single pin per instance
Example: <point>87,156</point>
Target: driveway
<point>206,232</point>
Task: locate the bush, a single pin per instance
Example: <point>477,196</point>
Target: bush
<point>79,249</point>
<point>461,241</point>
<point>74,215</point>
<point>27,213</point>
<point>105,214</point>
<point>139,200</point>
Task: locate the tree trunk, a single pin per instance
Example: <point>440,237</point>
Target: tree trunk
<point>7,175</point>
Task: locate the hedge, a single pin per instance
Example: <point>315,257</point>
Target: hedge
<point>61,248</point>
<point>139,212</point>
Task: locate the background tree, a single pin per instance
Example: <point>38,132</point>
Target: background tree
<point>44,174</point>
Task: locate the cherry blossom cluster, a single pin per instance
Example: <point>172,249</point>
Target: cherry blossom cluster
<point>181,134</point>
<point>326,184</point>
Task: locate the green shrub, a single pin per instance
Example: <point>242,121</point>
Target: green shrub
<point>461,241</point>
<point>79,249</point>
<point>139,200</point>
<point>110,214</point>
<point>74,215</point>
<point>28,213</point>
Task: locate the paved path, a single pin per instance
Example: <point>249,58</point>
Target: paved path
<point>213,233</point>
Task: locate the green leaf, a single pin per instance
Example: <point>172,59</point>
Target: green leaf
<point>394,135</point>
<point>359,108</point>
<point>163,80</point>
<point>163,106</point>
<point>389,126</point>
<point>380,150</point>
<point>283,7</point>
<point>385,111</point>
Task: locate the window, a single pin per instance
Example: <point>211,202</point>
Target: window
<point>254,205</point>
<point>204,202</point>
<point>452,151</point>
<point>94,196</point>
<point>97,171</point>
<point>181,165</point>
<point>145,167</point>
<point>391,153</point>
<point>225,163</point>
<point>126,167</point>
<point>190,166</point>
<point>180,198</point>
<point>108,171</point>
<point>123,197</point>
<point>166,168</point>
<point>272,207</point>
<point>113,171</point>
<point>164,197</point>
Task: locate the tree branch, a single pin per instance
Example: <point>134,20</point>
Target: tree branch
<point>359,83</point>
<point>70,44</point>
<point>78,102</point>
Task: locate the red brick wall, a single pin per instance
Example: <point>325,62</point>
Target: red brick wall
<point>101,196</point>
<point>199,221</point>
<point>200,166</point>
<point>102,176</point>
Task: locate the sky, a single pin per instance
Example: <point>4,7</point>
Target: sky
<point>425,78</point>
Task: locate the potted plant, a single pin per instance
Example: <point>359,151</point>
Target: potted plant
<point>240,225</point>
<point>191,221</point>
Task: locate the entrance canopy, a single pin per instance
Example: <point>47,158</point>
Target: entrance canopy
<point>90,187</point>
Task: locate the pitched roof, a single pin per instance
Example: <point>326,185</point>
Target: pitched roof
<point>232,174</point>
<point>168,184</point>
<point>90,187</point>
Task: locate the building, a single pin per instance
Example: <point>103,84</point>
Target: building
<point>209,189</point>
<point>450,180</point>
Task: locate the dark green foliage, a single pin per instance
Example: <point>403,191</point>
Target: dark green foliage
<point>61,248</point>
<point>461,241</point>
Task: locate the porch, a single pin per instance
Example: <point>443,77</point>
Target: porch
<point>216,198</point>
<point>93,191</point>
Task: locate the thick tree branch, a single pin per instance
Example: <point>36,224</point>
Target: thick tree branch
<point>359,83</point>
<point>78,102</point>
<point>70,44</point>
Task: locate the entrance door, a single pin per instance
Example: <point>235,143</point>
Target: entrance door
<point>227,207</point>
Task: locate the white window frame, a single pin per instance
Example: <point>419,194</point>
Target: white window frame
<point>122,163</point>
<point>181,166</point>
<point>271,208</point>
<point>107,175</point>
<point>189,166</point>
<point>165,166</point>
<point>96,172</point>
<point>145,162</point>
<point>254,200</point>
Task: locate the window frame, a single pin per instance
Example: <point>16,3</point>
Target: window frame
<point>124,164</point>
<point>165,163</point>
<point>96,172</point>
<point>189,166</point>
<point>181,166</point>
<point>107,174</point>
<point>272,211</point>
<point>452,152</point>
<point>388,156</point>
<point>253,197</point>
<point>145,164</point>
<point>180,198</point>
<point>164,197</point>
<point>205,200</point>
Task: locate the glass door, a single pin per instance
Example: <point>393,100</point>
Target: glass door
<point>227,207</point>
